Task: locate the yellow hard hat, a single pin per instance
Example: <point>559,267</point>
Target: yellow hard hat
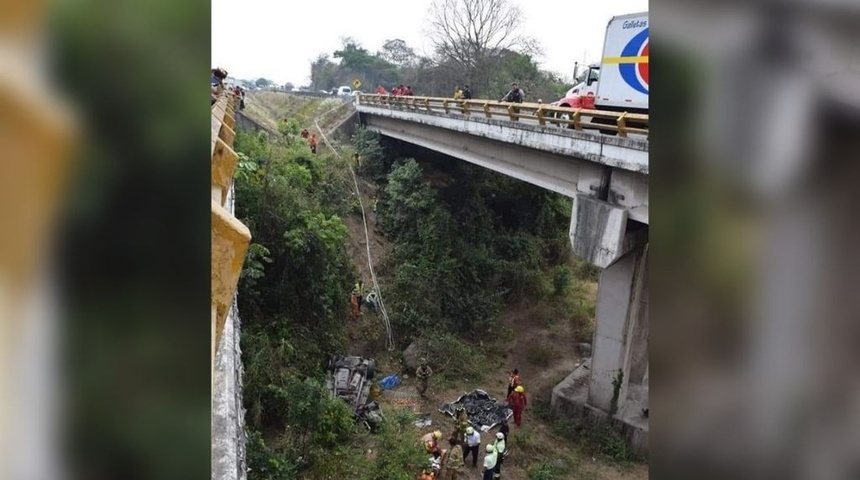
<point>437,434</point>
<point>520,389</point>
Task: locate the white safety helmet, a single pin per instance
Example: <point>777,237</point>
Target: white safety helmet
<point>490,448</point>
<point>470,430</point>
<point>500,436</point>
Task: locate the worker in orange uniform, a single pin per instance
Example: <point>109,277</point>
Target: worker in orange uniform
<point>517,400</point>
<point>514,381</point>
<point>313,143</point>
<point>353,302</point>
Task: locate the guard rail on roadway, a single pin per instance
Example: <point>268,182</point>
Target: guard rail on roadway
<point>230,238</point>
<point>621,123</point>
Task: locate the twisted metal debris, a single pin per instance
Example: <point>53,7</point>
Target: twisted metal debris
<point>484,412</point>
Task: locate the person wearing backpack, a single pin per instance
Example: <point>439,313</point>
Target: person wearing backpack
<point>514,95</point>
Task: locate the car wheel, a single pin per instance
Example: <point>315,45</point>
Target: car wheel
<point>564,116</point>
<point>371,370</point>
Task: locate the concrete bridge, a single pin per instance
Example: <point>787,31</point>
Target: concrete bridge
<point>606,175</point>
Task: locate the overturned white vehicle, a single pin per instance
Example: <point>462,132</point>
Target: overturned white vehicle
<point>350,379</point>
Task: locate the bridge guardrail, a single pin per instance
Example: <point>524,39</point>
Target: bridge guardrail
<point>622,123</point>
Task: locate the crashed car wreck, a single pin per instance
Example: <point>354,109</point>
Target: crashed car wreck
<point>350,379</point>
<point>484,412</point>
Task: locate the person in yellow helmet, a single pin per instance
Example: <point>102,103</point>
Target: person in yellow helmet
<point>490,460</point>
<point>517,400</point>
<point>431,443</point>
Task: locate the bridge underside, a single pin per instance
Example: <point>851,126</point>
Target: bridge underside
<point>561,173</point>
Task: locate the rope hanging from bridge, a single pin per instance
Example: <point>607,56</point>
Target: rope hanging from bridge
<point>374,281</point>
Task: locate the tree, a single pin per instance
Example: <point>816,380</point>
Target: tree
<point>397,52</point>
<point>353,56</point>
<point>472,32</point>
<point>289,86</point>
<point>323,73</point>
<point>263,82</point>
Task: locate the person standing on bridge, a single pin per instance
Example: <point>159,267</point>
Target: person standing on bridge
<point>313,142</point>
<point>380,90</point>
<point>467,93</point>
<point>408,92</point>
<point>514,95</point>
<point>458,93</point>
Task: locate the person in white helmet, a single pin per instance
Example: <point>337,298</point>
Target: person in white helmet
<point>500,448</point>
<point>471,444</point>
<point>490,461</point>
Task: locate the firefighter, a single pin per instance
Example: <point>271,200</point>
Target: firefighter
<point>353,303</point>
<point>423,374</point>
<point>489,463</point>
<point>454,466</point>
<point>501,452</point>
<point>472,445</point>
<point>513,381</point>
<point>431,443</point>
<point>517,400</point>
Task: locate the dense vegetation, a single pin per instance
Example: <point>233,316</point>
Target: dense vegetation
<point>292,302</point>
<point>466,244</point>
<point>463,246</point>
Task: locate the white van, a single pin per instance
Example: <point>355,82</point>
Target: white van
<point>343,91</point>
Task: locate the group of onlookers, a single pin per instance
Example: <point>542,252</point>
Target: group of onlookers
<point>219,75</point>
<point>398,91</point>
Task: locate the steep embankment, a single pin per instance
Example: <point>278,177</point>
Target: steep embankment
<point>267,108</point>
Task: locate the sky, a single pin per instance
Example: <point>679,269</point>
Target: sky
<point>278,39</point>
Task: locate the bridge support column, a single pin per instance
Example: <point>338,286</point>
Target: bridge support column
<point>612,386</point>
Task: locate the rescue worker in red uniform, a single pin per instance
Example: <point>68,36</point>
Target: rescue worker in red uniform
<point>517,400</point>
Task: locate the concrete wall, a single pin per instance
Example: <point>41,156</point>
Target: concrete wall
<point>348,126</point>
<point>619,302</point>
<point>247,124</point>
<point>230,240</point>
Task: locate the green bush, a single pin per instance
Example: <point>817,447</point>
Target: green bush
<point>596,437</point>
<point>547,470</point>
<point>452,358</point>
<point>400,456</point>
<point>539,353</point>
<point>264,463</point>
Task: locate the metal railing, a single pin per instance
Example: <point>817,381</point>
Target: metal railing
<point>619,123</point>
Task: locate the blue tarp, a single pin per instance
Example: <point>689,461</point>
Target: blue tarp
<point>389,382</point>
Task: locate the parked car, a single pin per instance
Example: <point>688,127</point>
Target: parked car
<point>343,91</point>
